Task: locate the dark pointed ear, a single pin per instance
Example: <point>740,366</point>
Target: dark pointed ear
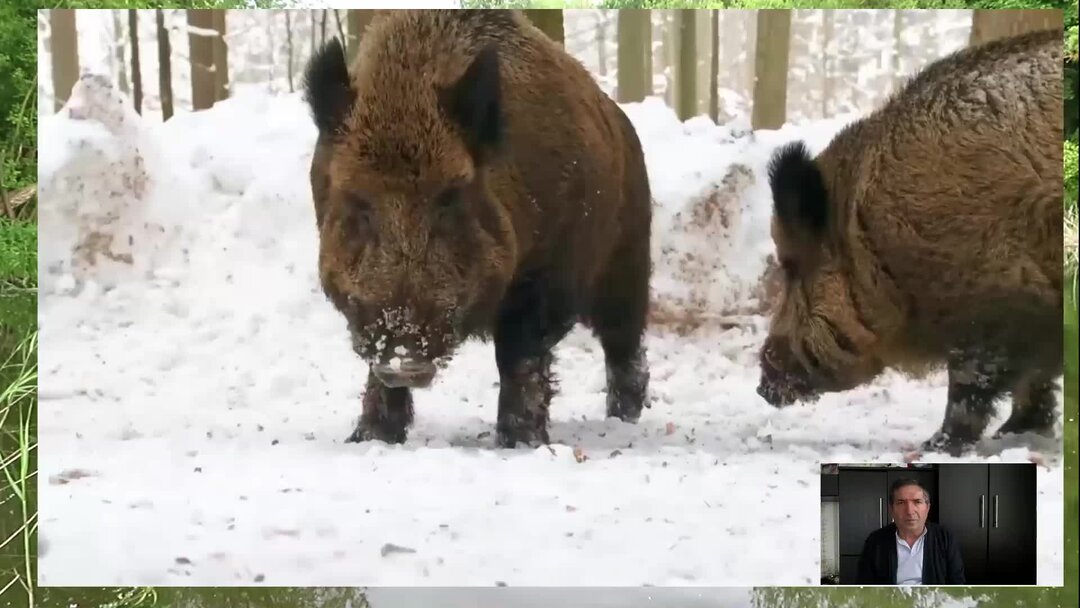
<point>800,201</point>
<point>474,102</point>
<point>327,88</point>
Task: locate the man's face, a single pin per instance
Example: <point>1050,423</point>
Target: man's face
<point>909,509</point>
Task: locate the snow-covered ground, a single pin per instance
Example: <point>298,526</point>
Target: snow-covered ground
<point>194,402</point>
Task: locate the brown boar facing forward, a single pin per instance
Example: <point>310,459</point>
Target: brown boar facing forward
<point>929,233</point>
<point>471,180</point>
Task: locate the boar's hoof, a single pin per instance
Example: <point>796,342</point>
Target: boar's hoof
<point>943,442</point>
<point>624,409</point>
<point>1017,425</point>
<point>509,437</point>
<point>372,431</point>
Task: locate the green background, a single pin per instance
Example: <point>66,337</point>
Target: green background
<point>18,251</point>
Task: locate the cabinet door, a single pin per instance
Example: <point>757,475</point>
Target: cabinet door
<point>1012,524</point>
<point>849,569</point>
<point>927,478</point>
<point>964,510</point>
<point>862,508</point>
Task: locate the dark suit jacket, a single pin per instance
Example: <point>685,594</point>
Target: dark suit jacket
<point>942,564</point>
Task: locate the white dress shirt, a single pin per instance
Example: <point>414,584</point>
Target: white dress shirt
<point>909,560</point>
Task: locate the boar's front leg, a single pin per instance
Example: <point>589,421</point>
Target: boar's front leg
<point>387,414</point>
<point>530,323</point>
<point>976,380</point>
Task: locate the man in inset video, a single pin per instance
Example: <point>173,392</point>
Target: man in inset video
<point>910,551</point>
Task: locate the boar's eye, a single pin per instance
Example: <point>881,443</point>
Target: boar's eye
<point>449,199</point>
<point>790,267</point>
<point>815,365</point>
<point>448,207</point>
<point>360,213</point>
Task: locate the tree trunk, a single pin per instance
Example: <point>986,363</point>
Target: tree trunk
<point>686,74</point>
<point>550,21</point>
<point>770,67</point>
<point>358,20</point>
<point>632,78</point>
<point>164,66</point>
<point>289,49</point>
<point>340,28</point>
<point>898,47</point>
<point>322,29</point>
<point>826,81</point>
<point>221,57</point>
<point>601,42</point>
<point>136,69</point>
<point>987,25</point>
<point>648,44</point>
<point>312,37</point>
<point>201,45</point>
<point>714,68</point>
<point>65,54</point>
<point>121,61</point>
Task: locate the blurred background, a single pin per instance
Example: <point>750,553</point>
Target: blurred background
<point>807,64</point>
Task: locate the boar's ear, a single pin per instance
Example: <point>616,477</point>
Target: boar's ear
<point>800,201</point>
<point>327,88</point>
<point>474,102</point>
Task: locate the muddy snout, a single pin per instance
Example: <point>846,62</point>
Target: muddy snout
<point>405,374</point>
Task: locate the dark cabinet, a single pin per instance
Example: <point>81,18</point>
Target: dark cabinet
<point>991,510</point>
<point>864,508</point>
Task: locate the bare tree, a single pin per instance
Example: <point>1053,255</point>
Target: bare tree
<point>632,75</point>
<point>121,61</point>
<point>221,57</point>
<point>65,54</point>
<point>826,80</point>
<point>358,21</point>
<point>136,70</point>
<point>991,24</point>
<point>601,42</point>
<point>714,67</point>
<point>203,83</point>
<point>164,66</point>
<point>550,21</point>
<point>340,26</point>
<point>898,47</point>
<point>771,67</point>
<point>289,49</point>
<point>686,75</point>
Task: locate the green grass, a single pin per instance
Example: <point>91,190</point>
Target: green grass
<point>18,379</point>
<point>18,253</point>
<point>18,246</point>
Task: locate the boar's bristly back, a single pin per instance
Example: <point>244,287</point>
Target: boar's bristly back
<point>327,88</point>
<point>800,201</point>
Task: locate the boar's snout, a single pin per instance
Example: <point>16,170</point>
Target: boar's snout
<point>398,361</point>
<point>783,382</point>
<point>405,374</point>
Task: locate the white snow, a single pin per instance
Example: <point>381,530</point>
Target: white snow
<point>194,403</point>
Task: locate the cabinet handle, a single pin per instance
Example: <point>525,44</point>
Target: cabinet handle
<point>995,510</point>
<point>982,510</point>
<point>880,522</point>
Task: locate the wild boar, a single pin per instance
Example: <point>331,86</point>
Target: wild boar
<point>929,233</point>
<point>471,180</point>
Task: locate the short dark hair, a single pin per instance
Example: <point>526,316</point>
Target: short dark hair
<point>904,482</point>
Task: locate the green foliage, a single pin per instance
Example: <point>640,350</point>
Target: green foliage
<point>18,253</point>
<point>525,4</point>
<point>144,4</point>
<point>18,95</point>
